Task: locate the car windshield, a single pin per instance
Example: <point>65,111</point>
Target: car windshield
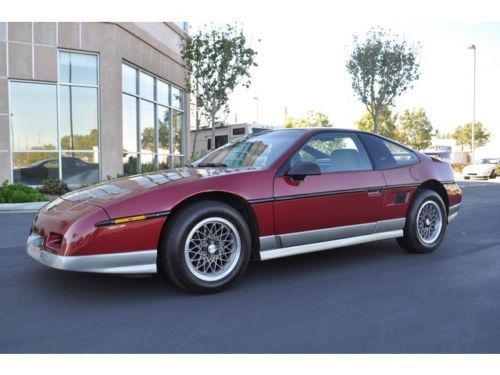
<point>260,150</point>
<point>487,161</point>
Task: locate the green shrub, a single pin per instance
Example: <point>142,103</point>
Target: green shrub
<point>18,193</point>
<point>53,186</point>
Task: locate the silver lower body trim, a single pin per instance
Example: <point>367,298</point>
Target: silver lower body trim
<point>453,212</point>
<point>320,246</point>
<point>135,262</point>
<point>323,239</point>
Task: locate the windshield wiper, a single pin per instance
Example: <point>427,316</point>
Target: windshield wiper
<point>208,165</point>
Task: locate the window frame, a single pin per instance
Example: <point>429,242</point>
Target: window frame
<point>380,139</point>
<point>356,139</point>
<point>98,115</point>
<point>156,103</point>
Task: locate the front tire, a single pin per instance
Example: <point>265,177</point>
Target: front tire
<point>425,223</point>
<point>206,247</point>
<point>466,177</point>
<point>493,175</point>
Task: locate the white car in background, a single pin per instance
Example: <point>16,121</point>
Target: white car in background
<point>483,168</point>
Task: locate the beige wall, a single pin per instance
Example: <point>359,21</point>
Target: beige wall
<point>28,51</point>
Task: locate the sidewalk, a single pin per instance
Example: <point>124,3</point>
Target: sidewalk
<point>21,207</point>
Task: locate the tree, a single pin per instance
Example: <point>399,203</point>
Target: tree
<point>386,123</point>
<point>415,129</point>
<point>80,141</point>
<point>311,120</point>
<point>381,68</point>
<point>217,61</point>
<point>463,135</point>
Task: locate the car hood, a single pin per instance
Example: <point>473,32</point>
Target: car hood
<point>104,193</point>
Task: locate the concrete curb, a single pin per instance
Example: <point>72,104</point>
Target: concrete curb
<point>21,207</point>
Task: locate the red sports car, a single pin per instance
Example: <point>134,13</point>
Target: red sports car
<point>265,196</point>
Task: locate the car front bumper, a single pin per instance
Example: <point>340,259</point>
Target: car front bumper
<point>135,262</point>
<point>477,174</point>
<point>453,212</point>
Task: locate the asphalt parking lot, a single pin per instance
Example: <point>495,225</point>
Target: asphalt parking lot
<point>372,298</point>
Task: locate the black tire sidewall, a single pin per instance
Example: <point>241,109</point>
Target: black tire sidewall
<point>411,239</point>
<point>172,246</point>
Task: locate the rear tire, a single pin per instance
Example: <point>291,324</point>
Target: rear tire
<point>206,247</point>
<point>425,223</point>
<point>493,175</point>
<point>466,177</point>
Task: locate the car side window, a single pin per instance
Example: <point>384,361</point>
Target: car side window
<point>334,152</point>
<point>51,164</point>
<point>386,154</point>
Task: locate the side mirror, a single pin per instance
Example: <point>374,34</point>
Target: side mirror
<point>305,168</point>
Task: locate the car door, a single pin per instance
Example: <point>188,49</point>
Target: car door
<point>344,200</point>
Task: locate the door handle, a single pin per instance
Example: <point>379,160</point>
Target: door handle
<point>374,192</point>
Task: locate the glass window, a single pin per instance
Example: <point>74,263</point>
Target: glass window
<point>162,92</point>
<point>80,168</point>
<point>34,116</point>
<point>334,152</point>
<point>147,86</point>
<point>159,127</point>
<point>177,98</point>
<point>129,114</point>
<point>148,162</point>
<point>177,132</point>
<point>147,126</point>
<point>260,150</point>
<point>182,25</point>
<point>77,68</point>
<point>130,164</point>
<point>31,168</point>
<point>163,129</point>
<point>129,79</point>
<point>386,154</point>
<point>163,161</point>
<point>402,156</point>
<point>78,118</point>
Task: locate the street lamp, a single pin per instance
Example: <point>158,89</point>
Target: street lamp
<point>256,98</point>
<point>473,47</point>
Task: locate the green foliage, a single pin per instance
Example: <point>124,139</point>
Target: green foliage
<point>463,135</point>
<point>217,61</point>
<point>147,137</point>
<point>80,142</point>
<point>130,167</point>
<point>53,186</point>
<point>27,158</point>
<point>381,68</point>
<point>311,120</point>
<point>415,129</point>
<point>18,193</point>
<point>386,123</point>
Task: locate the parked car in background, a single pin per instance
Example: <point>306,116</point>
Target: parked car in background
<point>264,196</point>
<point>74,170</point>
<point>483,168</point>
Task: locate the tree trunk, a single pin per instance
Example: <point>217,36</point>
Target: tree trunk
<point>195,134</point>
<point>212,118</point>
<point>375,122</point>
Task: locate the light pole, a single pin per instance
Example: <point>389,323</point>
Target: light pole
<point>256,98</point>
<point>473,47</point>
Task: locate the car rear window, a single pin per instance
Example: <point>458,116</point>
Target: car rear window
<point>387,154</point>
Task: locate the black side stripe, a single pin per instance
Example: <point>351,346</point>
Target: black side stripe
<point>325,193</point>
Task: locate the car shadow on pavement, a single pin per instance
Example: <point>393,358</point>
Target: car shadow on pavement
<point>272,274</point>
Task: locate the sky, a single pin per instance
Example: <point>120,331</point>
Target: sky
<point>304,46</point>
<point>301,66</point>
